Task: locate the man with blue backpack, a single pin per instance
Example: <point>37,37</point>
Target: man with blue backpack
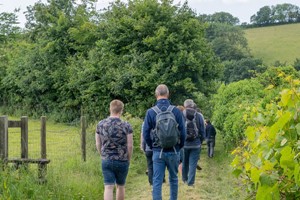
<point>165,121</point>
<point>195,134</point>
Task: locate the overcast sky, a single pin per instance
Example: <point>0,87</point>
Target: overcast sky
<point>243,9</point>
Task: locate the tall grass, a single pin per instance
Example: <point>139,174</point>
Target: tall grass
<point>275,43</point>
<point>68,177</point>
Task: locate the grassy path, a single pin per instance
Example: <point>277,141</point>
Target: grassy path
<point>213,182</point>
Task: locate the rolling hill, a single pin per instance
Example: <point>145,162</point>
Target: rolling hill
<point>275,43</point>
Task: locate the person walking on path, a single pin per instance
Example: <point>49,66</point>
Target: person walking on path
<point>210,138</point>
<point>164,157</point>
<point>114,142</point>
<point>195,131</point>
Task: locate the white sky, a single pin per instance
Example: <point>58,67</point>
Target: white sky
<point>243,9</point>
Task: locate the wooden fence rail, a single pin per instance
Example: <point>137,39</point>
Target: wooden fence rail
<point>23,160</point>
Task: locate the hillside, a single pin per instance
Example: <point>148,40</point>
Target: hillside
<point>275,43</point>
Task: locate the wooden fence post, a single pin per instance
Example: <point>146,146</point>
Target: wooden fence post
<point>83,137</point>
<point>42,167</point>
<point>24,138</point>
<point>3,138</point>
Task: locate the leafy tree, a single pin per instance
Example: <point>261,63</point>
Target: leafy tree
<point>146,43</point>
<point>245,68</point>
<point>9,31</point>
<point>220,17</point>
<point>228,42</point>
<point>285,13</point>
<point>263,16</point>
<point>37,74</point>
<point>281,13</point>
<point>8,25</point>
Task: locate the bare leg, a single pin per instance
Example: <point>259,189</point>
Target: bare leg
<point>109,192</point>
<point>120,192</point>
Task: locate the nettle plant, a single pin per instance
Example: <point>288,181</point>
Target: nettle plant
<point>268,159</point>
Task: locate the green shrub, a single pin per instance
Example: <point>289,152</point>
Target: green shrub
<point>269,157</point>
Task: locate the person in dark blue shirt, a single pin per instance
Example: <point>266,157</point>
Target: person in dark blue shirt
<point>210,132</point>
<point>163,158</point>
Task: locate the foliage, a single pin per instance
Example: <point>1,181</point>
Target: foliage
<point>268,160</point>
<point>245,68</point>
<point>233,101</point>
<point>37,78</point>
<point>230,104</point>
<point>73,60</point>
<point>230,45</point>
<point>146,43</point>
<point>228,42</point>
<point>297,64</point>
<point>8,25</point>
<point>278,14</point>
<point>220,17</point>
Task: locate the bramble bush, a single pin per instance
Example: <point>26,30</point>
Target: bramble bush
<point>268,159</point>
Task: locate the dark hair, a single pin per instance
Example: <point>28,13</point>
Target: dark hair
<point>207,121</point>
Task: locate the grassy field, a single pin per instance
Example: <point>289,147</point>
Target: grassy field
<point>68,177</point>
<point>275,43</point>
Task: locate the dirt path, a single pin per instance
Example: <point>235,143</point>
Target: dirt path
<point>213,182</point>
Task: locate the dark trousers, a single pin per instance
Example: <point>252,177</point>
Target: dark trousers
<point>149,166</point>
<point>210,146</point>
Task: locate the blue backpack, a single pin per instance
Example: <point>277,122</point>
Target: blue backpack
<point>166,129</point>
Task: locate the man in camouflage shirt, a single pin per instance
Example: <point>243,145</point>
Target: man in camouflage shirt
<point>114,142</point>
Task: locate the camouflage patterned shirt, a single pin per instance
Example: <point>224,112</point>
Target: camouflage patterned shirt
<point>113,134</point>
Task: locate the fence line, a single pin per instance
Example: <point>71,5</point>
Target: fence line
<point>24,159</point>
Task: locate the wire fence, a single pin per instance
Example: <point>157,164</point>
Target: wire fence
<point>63,141</point>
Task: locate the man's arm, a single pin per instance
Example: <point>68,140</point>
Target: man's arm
<point>129,145</point>
<point>98,142</point>
<point>147,129</point>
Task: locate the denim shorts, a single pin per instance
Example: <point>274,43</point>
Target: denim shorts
<point>115,172</point>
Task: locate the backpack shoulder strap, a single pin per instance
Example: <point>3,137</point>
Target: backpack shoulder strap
<point>156,109</point>
<point>170,108</point>
<point>195,115</point>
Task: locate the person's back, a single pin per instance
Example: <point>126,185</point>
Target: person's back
<point>163,157</point>
<point>210,138</point>
<point>114,143</point>
<point>195,129</point>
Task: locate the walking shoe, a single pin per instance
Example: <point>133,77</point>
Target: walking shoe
<point>198,167</point>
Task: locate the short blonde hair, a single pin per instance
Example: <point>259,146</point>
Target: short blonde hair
<point>116,106</point>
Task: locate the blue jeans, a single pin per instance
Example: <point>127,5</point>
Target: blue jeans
<point>115,172</point>
<point>189,165</point>
<point>171,161</point>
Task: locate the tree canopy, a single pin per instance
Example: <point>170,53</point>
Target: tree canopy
<point>278,14</point>
<point>75,59</point>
